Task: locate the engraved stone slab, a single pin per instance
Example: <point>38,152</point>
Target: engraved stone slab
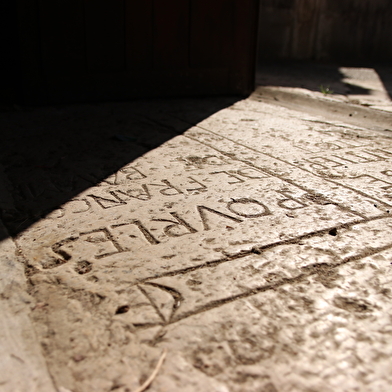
<point>140,218</point>
<point>255,248</point>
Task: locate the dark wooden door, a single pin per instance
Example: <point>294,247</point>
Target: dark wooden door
<point>78,50</point>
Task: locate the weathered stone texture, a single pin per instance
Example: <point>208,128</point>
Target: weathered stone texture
<point>255,248</point>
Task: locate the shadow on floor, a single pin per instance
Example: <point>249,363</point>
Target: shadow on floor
<point>318,77</point>
<point>51,154</point>
<point>385,74</point>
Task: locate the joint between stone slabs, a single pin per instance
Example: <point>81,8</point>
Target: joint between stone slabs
<point>318,269</point>
<point>260,249</point>
<point>287,163</point>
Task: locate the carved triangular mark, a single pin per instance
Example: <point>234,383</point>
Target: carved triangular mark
<point>166,300</point>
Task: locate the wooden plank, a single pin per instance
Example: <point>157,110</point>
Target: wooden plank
<point>171,33</point>
<point>139,34</point>
<point>382,40</point>
<point>276,24</point>
<point>30,53</point>
<point>9,50</point>
<point>340,40</point>
<point>23,368</point>
<point>305,28</point>
<point>62,38</point>
<point>244,54</point>
<point>105,35</point>
<point>362,36</point>
<point>157,83</point>
<point>146,36</point>
<point>211,30</point>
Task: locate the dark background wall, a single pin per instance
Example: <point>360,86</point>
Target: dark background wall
<point>86,50</point>
<point>9,51</point>
<point>81,50</point>
<point>328,30</point>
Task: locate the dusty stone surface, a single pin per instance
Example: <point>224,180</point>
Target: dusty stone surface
<point>255,248</point>
<point>22,364</point>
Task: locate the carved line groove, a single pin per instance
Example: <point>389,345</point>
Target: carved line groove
<point>287,163</point>
<point>260,249</point>
<point>317,269</point>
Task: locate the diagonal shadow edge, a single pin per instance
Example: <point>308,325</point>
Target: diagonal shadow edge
<point>49,155</point>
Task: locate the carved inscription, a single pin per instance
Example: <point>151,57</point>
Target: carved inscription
<point>108,195</point>
<point>374,186</point>
<point>333,145</point>
<point>341,160</point>
<point>126,236</point>
<point>151,220</point>
<point>166,187</point>
<point>182,294</point>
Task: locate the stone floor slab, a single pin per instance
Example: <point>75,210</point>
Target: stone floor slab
<point>255,248</point>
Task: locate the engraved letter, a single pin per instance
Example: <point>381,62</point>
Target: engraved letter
<point>246,172</point>
<point>387,154</point>
<point>170,189</point>
<point>202,211</point>
<point>201,188</point>
<point>230,175</point>
<point>328,146</point>
<point>87,205</point>
<point>140,194</point>
<point>290,203</point>
<point>108,203</point>
<point>94,237</point>
<point>364,159</point>
<point>132,173</point>
<point>61,252</point>
<point>317,163</point>
<point>174,230</point>
<point>252,209</point>
<point>147,235</point>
